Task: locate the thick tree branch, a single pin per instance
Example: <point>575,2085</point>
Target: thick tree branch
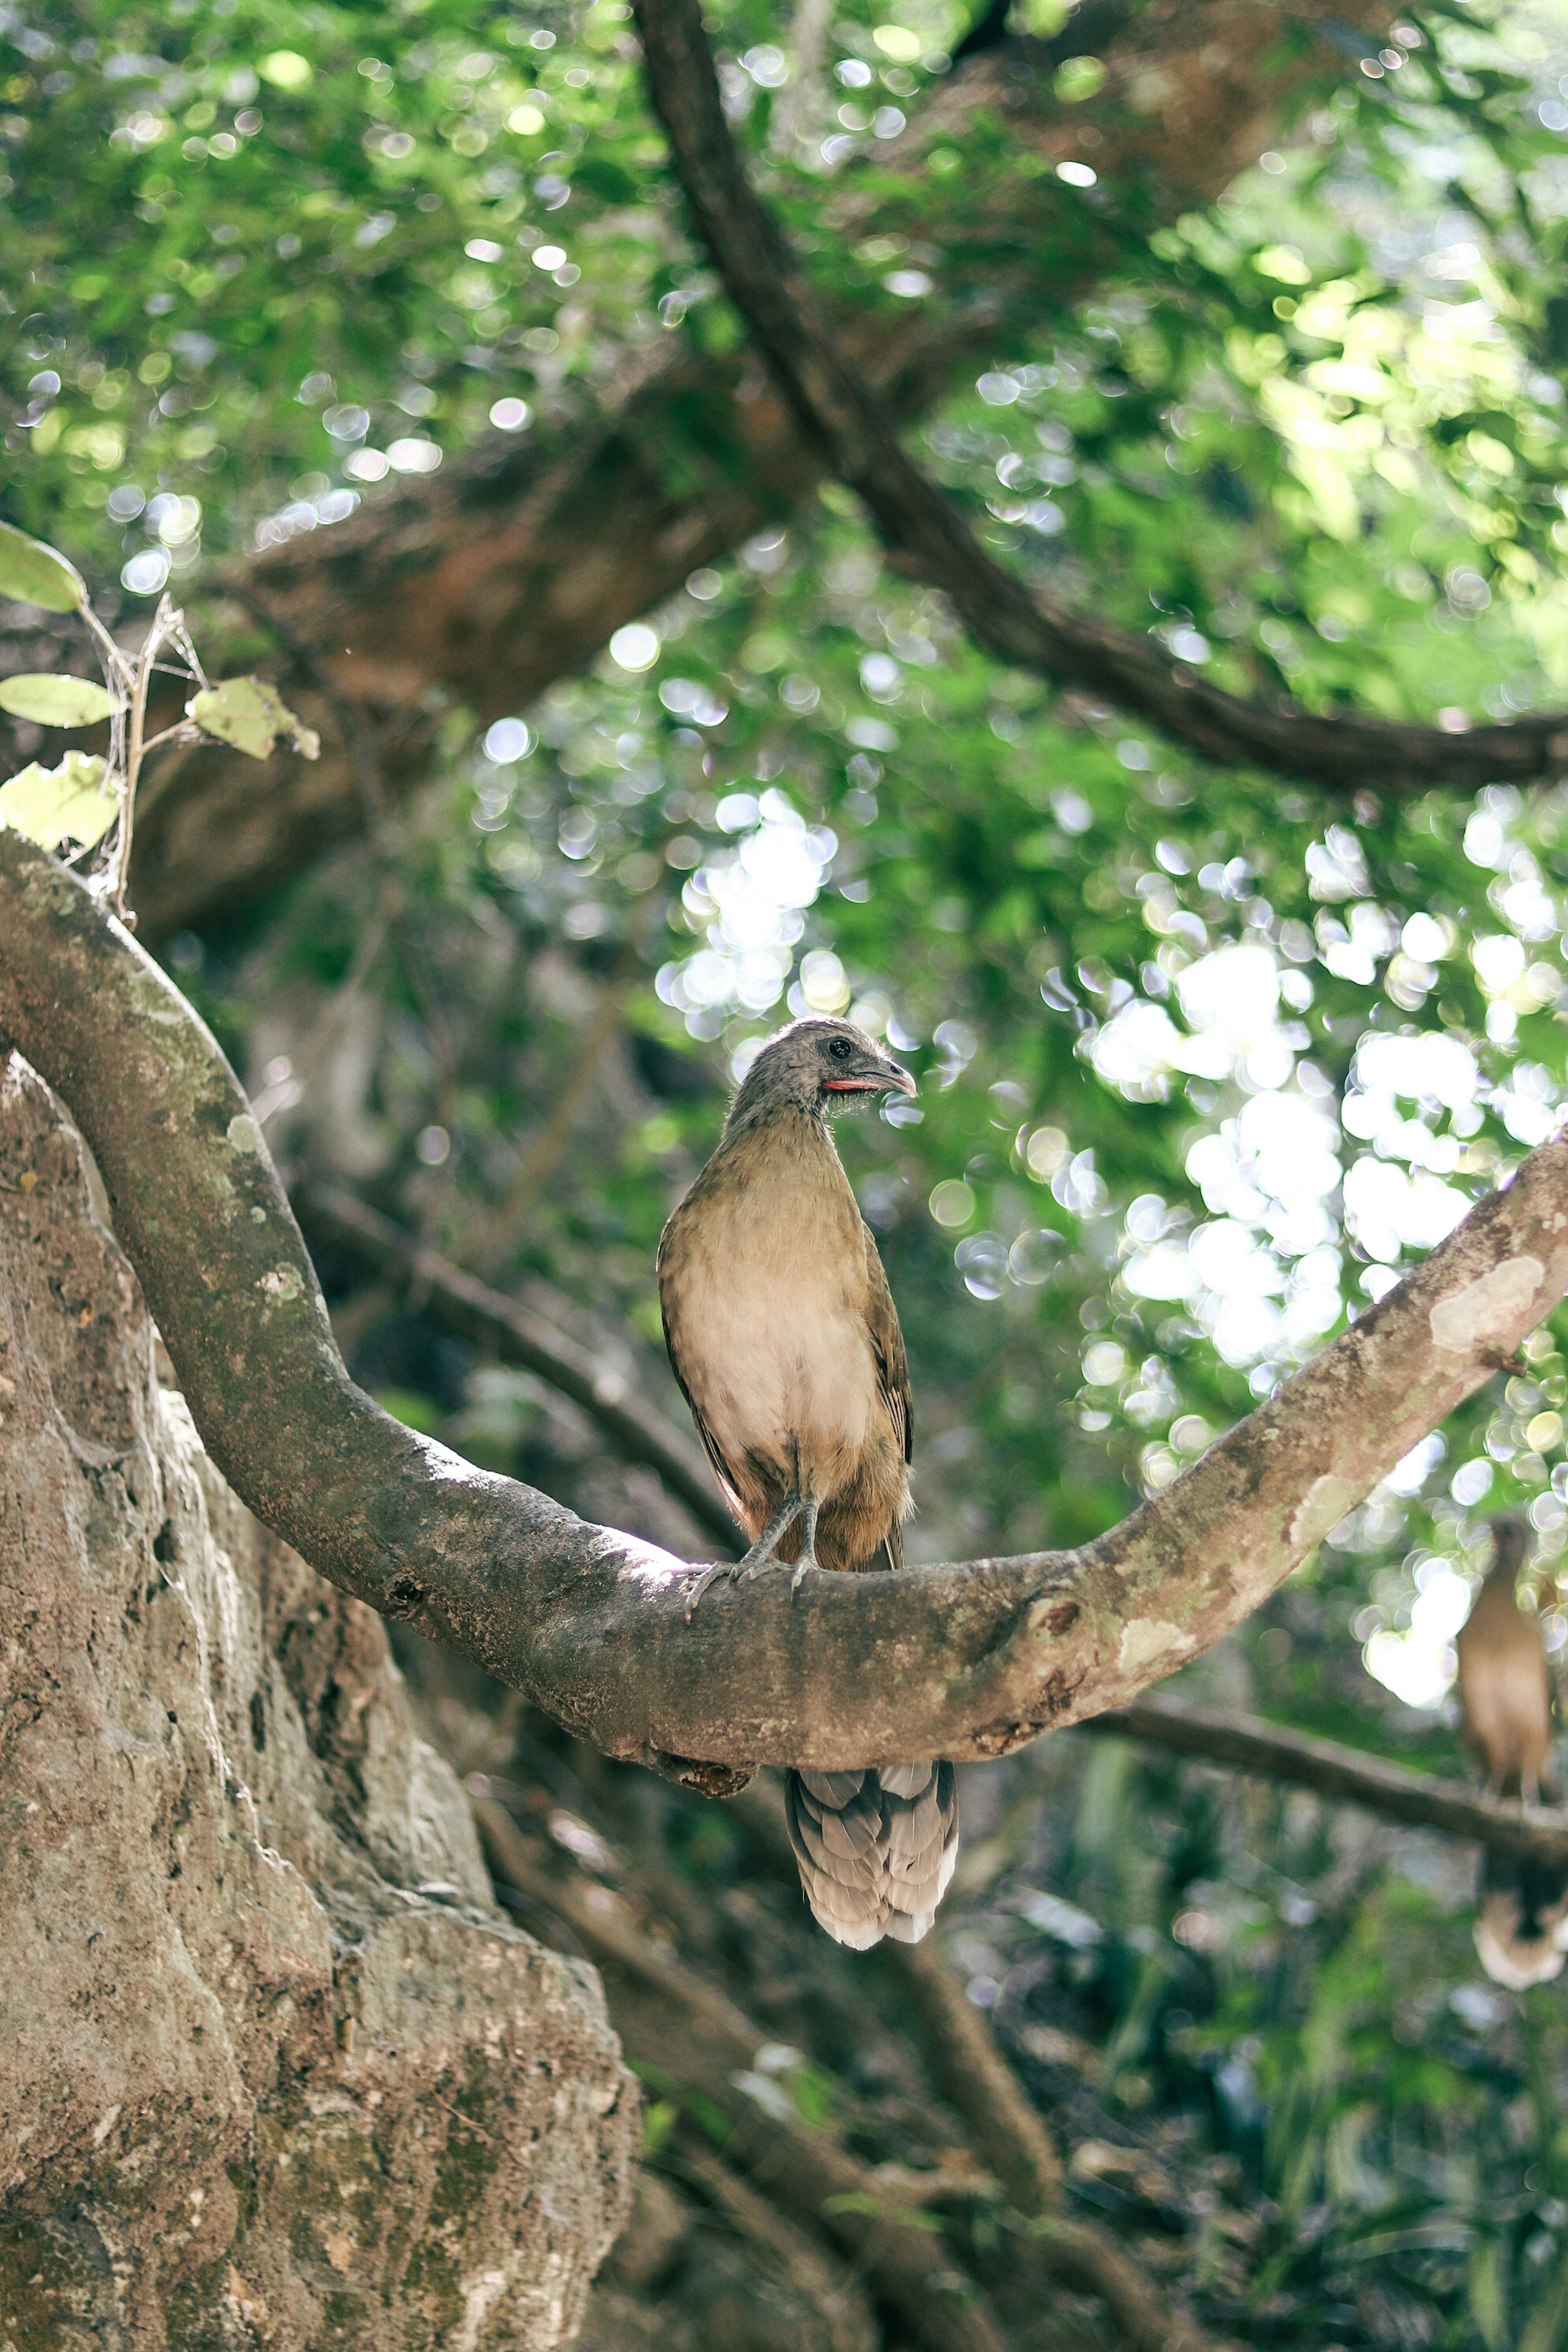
<point>835,407</point>
<point>514,566</point>
<point>474,1311</point>
<point>969,1660</point>
<point>1530,1832</point>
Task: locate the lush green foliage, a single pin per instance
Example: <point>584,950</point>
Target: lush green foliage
<point>1206,1058</point>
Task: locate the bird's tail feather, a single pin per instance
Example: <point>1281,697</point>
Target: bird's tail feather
<point>1522,1924</point>
<point>876,1848</point>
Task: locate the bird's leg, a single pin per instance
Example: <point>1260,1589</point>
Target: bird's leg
<point>808,1543</point>
<point>760,1557</point>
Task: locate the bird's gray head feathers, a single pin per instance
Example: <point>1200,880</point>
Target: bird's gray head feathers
<point>820,1066</point>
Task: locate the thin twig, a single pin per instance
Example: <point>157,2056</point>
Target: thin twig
<point>837,410</point>
<point>353,729</point>
<point>589,1048</point>
<point>1533,1832</point>
<point>832,2286</point>
<point>357,733</point>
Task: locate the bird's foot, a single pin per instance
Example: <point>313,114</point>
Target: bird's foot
<point>760,1557</point>
<point>764,1554</point>
<point>808,1548</point>
<point>695,1592</point>
<point>740,1572</point>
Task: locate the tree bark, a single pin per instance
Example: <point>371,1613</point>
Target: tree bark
<point>514,565</point>
<point>967,1661</point>
<point>273,2067</point>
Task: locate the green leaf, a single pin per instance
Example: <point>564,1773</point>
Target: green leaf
<point>70,803</point>
<point>55,701</point>
<point>249,714</point>
<point>34,575</point>
<point>604,177</point>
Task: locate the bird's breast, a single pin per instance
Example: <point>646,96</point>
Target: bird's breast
<point>763,1286</point>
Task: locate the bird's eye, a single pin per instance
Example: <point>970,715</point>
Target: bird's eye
<point>840,1048</point>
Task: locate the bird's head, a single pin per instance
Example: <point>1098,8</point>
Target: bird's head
<point>1509,1537</point>
<point>821,1066</point>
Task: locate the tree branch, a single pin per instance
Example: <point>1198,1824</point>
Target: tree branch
<point>513,565</point>
<point>969,1660</point>
<point>1530,1832</point>
<point>474,1311</point>
<point>836,408</point>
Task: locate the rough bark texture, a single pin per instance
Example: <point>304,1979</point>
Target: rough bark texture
<point>967,1661</point>
<point>514,565</point>
<point>273,2069</point>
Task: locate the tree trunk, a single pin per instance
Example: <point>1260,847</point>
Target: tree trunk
<point>273,2069</point>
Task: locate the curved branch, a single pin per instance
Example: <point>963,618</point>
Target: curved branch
<point>968,1660</point>
<point>836,408</point>
<point>1420,1800</point>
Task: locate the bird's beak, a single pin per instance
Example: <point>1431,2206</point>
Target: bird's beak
<point>869,1077</point>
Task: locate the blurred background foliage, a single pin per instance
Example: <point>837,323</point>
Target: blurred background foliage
<point>1206,1059</point>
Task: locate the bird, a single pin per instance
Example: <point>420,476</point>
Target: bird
<point>784,1337</point>
<point>1505,1703</point>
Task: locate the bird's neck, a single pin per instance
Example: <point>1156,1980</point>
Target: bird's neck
<point>784,1146</point>
<point>1500,1588</point>
<point>773,1114</point>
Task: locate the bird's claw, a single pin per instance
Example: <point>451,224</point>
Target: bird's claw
<point>738,1571</point>
<point>743,1572</point>
<point>720,1567</point>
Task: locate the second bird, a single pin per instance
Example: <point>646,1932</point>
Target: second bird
<point>1505,1694</point>
<point>784,1337</point>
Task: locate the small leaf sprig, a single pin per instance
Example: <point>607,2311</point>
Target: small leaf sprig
<point>89,799</point>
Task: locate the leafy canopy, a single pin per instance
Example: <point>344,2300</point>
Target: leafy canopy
<point>1206,1058</point>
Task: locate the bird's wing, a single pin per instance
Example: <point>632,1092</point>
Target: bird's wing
<point>887,1344</point>
<point>721,1470</point>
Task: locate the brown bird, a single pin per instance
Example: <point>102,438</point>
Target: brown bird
<point>1505,1698</point>
<point>784,1337</point>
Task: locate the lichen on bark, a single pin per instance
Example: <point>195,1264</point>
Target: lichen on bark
<point>273,2069</point>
